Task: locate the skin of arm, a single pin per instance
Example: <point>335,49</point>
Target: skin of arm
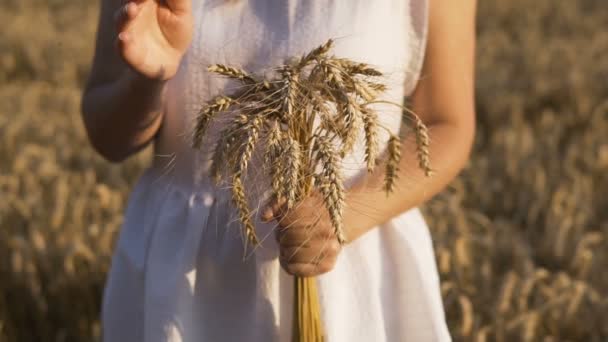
<point>139,47</point>
<point>444,100</point>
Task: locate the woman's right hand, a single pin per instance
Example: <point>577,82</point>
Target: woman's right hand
<point>152,35</point>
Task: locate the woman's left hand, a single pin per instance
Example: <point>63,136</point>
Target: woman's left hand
<point>307,241</point>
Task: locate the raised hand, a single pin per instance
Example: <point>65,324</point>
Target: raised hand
<point>153,35</point>
<point>307,241</point>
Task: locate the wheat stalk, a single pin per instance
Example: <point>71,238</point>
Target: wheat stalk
<point>297,155</point>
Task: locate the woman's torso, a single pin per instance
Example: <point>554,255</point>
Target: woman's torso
<point>186,277</point>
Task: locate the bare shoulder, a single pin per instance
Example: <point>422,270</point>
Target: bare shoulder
<point>445,91</point>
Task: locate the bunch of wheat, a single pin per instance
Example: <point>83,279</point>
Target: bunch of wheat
<point>309,116</point>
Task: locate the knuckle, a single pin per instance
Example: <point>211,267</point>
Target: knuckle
<point>324,267</point>
<point>307,272</point>
<point>294,269</point>
<point>286,266</point>
<point>334,248</point>
<point>289,253</point>
<point>285,240</point>
<point>327,230</point>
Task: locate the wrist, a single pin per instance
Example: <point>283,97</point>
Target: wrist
<point>363,205</point>
<point>138,80</point>
<point>146,97</point>
<point>358,217</point>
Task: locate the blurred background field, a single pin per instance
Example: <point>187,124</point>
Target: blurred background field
<point>521,236</point>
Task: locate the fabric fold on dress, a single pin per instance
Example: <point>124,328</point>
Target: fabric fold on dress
<point>179,273</point>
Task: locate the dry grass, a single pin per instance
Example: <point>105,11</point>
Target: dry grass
<point>521,236</point>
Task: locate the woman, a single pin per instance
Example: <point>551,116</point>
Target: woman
<point>178,272</point>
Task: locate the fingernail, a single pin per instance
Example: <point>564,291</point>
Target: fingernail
<point>124,36</point>
<point>267,215</point>
<point>132,8</point>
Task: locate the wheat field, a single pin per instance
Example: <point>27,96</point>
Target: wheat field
<point>521,236</point>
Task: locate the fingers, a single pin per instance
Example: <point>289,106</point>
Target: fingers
<point>126,42</point>
<point>309,262</point>
<point>304,254</point>
<point>307,242</point>
<point>268,214</point>
<point>293,233</point>
<point>131,50</point>
<point>307,270</point>
<point>123,17</point>
<point>179,6</point>
<point>326,252</point>
<point>274,210</point>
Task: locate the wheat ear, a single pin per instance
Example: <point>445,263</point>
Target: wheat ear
<point>273,160</point>
<point>370,126</point>
<point>251,130</point>
<point>204,116</point>
<point>355,68</point>
<point>422,144</point>
<point>242,207</point>
<point>392,163</point>
<point>293,161</point>
<point>232,72</point>
<point>351,124</point>
<point>330,183</point>
<point>316,53</point>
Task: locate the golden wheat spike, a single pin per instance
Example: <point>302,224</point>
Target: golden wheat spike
<point>272,158</point>
<point>218,104</point>
<point>250,132</point>
<point>293,160</point>
<point>330,183</point>
<point>316,53</point>
<point>370,127</point>
<point>351,123</point>
<point>290,81</point>
<point>240,202</point>
<point>357,68</point>
<point>223,144</point>
<point>363,89</point>
<point>422,144</point>
<point>232,72</point>
<point>378,87</point>
<point>392,164</point>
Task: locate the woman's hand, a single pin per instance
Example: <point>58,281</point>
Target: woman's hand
<point>140,44</point>
<point>307,241</point>
<point>152,36</point>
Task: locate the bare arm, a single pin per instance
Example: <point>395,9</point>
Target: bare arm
<point>444,99</point>
<point>139,47</point>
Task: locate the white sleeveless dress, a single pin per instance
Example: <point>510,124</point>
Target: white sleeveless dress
<point>178,272</point>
